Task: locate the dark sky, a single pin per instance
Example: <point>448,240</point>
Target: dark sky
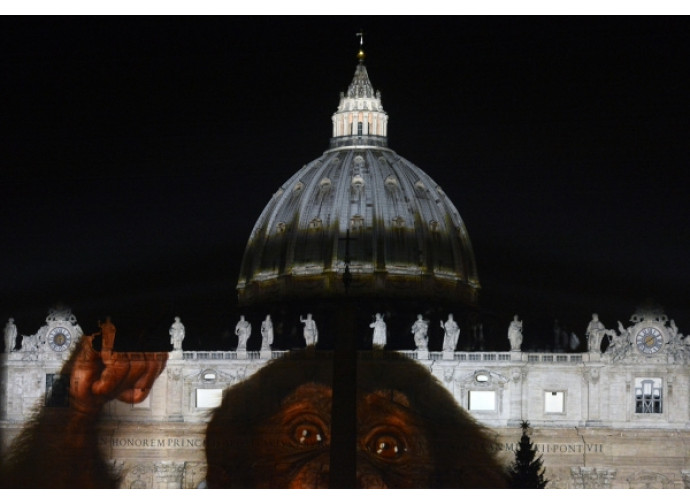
<point>139,152</point>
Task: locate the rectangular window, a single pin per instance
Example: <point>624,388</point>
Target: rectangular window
<point>208,398</point>
<point>57,391</point>
<point>554,402</point>
<point>482,400</point>
<point>648,395</point>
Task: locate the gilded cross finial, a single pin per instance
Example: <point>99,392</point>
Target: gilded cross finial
<point>360,54</point>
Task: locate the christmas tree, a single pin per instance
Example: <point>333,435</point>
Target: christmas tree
<point>527,471</point>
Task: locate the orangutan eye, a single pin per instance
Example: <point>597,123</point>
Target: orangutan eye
<point>307,434</point>
<point>387,447</point>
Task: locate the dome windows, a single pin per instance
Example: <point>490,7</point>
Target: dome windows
<point>281,227</point>
<point>420,190</point>
<point>357,179</point>
<point>315,224</point>
<point>356,222</point>
<point>391,182</point>
<point>357,182</point>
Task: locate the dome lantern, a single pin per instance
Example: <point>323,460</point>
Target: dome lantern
<point>360,115</point>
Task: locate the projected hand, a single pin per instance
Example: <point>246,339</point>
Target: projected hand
<point>98,377</point>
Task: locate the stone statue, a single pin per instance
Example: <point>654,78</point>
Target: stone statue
<point>379,326</point>
<point>676,345</point>
<point>452,333</point>
<point>619,344</point>
<point>595,332</point>
<point>10,336</point>
<point>673,336</point>
<point>623,331</point>
<point>29,343</point>
<point>266,333</point>
<point>243,330</point>
<point>616,341</point>
<point>176,334</point>
<point>420,328</point>
<point>515,334</point>
<point>311,333</point>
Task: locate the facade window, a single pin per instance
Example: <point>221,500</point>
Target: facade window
<point>359,128</point>
<point>57,391</point>
<point>209,398</point>
<point>648,395</point>
<point>482,400</point>
<point>554,402</point>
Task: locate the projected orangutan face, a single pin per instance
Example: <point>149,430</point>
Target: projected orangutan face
<point>274,431</point>
<point>391,448</point>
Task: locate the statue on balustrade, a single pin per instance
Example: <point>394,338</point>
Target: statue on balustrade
<point>177,334</point>
<point>379,326</point>
<point>266,333</point>
<point>243,330</point>
<point>420,328</point>
<point>515,334</point>
<point>595,332</point>
<point>452,334</point>
<point>10,336</point>
<point>311,333</point>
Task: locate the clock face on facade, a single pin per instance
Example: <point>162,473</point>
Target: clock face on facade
<point>649,340</point>
<point>59,339</point>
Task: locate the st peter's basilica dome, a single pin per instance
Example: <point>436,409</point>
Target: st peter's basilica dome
<point>363,209</point>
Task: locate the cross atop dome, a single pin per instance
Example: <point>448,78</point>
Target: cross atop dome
<point>360,54</point>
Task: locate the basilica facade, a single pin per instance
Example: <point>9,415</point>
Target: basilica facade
<point>362,223</point>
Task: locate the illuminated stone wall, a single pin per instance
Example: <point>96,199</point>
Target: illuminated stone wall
<point>593,418</point>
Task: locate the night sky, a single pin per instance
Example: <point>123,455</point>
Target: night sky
<point>139,153</point>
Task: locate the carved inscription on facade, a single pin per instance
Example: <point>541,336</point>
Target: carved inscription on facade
<point>557,448</point>
<point>153,442</point>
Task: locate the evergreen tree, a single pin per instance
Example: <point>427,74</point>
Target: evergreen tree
<point>527,471</point>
